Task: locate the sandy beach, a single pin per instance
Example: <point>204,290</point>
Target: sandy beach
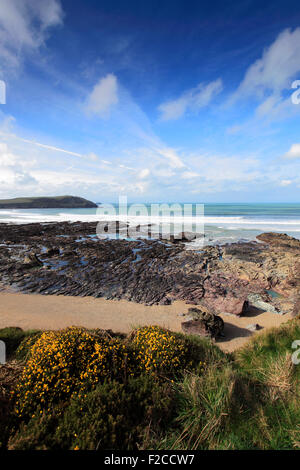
<point>33,311</point>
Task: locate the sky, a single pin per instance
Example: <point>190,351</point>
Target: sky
<point>161,101</point>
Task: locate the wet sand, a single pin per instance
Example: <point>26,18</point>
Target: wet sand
<point>33,311</point>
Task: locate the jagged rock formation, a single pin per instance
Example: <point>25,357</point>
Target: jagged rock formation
<point>226,279</point>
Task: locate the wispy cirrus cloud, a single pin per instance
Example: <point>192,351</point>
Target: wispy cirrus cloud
<point>190,101</point>
<point>273,71</point>
<point>24,27</point>
<point>271,75</point>
<point>90,156</point>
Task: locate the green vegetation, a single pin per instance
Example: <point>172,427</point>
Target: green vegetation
<point>14,337</point>
<point>84,389</point>
<point>112,416</point>
<point>46,202</point>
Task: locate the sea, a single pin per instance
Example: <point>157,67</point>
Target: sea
<point>219,223</point>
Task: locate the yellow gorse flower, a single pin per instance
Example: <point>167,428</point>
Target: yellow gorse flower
<point>159,350</point>
<point>66,362</point>
<point>73,361</point>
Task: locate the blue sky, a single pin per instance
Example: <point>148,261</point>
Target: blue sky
<point>159,100</point>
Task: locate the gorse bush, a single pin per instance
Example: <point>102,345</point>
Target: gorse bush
<point>159,351</point>
<point>201,353</point>
<point>112,416</point>
<point>86,389</point>
<point>73,361</point>
<point>65,362</point>
<point>117,415</point>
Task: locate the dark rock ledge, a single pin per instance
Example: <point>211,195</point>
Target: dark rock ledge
<point>69,259</point>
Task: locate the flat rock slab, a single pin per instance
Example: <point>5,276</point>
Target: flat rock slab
<point>196,327</point>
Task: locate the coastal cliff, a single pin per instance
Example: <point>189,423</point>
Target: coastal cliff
<point>66,202</point>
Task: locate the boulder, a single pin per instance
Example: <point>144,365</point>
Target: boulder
<point>203,323</point>
<point>228,304</point>
<point>257,301</point>
<point>196,327</point>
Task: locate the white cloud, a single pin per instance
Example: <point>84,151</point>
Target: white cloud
<point>14,173</point>
<point>186,175</point>
<point>91,156</point>
<point>173,109</point>
<point>103,96</point>
<point>144,173</point>
<point>172,157</point>
<point>6,158</point>
<point>31,170</point>
<point>279,62</point>
<point>293,153</point>
<point>272,74</point>
<point>24,26</point>
<point>285,183</point>
<point>191,100</point>
<point>228,169</point>
<point>41,170</point>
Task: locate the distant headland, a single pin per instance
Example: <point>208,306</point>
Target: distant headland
<point>66,202</point>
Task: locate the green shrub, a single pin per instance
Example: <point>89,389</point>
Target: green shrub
<point>13,337</point>
<point>9,376</point>
<point>6,419</point>
<point>113,416</point>
<point>201,353</point>
<point>23,351</point>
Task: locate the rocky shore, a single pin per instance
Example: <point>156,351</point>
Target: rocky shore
<point>69,259</point>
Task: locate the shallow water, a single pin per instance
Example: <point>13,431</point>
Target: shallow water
<point>273,294</point>
<point>220,223</point>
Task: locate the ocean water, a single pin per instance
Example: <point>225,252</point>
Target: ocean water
<point>221,223</point>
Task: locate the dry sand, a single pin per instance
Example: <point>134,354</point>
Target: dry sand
<point>33,311</point>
